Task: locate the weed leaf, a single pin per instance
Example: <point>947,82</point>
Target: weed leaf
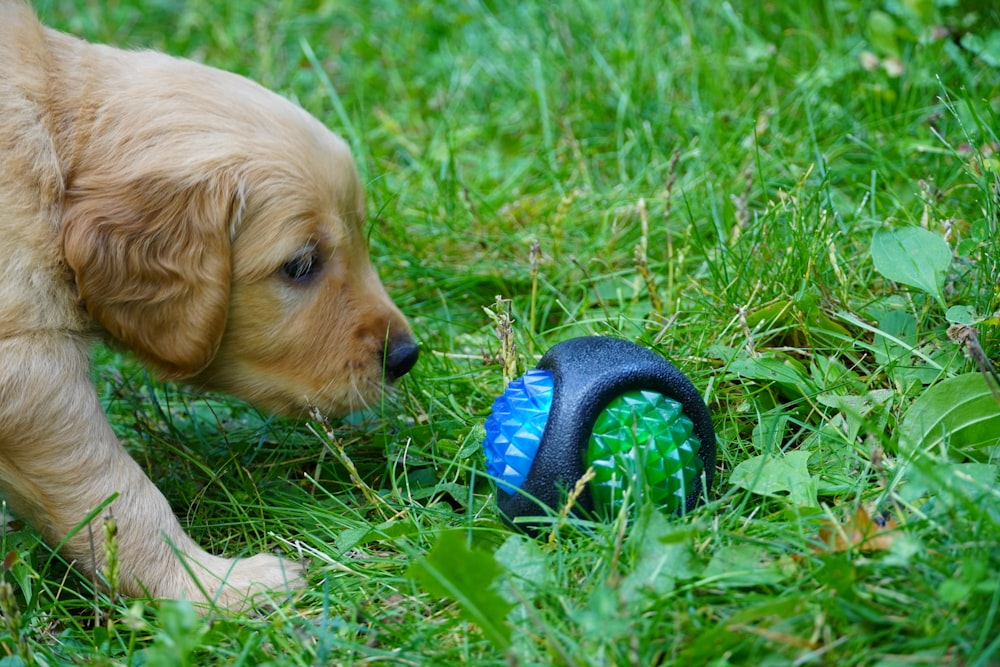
<point>787,373</point>
<point>782,476</point>
<point>987,49</point>
<point>525,562</point>
<point>664,554</point>
<point>961,315</point>
<point>967,490</point>
<point>455,571</point>
<point>739,565</point>
<point>912,256</point>
<point>528,574</point>
<point>959,412</point>
<point>182,631</point>
<point>882,33</point>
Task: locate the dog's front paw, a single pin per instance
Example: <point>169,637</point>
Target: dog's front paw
<point>243,583</point>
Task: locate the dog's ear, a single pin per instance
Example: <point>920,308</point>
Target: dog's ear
<point>151,259</point>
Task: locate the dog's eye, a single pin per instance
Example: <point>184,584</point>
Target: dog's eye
<point>303,265</point>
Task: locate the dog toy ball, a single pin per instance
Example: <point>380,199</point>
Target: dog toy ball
<point>601,403</point>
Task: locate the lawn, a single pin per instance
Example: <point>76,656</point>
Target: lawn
<point>796,203</point>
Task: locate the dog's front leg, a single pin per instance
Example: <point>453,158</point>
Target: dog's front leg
<point>59,460</point>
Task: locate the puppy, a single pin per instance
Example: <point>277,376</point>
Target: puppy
<point>208,225</point>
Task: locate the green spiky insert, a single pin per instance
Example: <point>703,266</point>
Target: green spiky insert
<point>643,443</point>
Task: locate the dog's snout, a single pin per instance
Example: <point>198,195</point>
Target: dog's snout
<point>400,356</point>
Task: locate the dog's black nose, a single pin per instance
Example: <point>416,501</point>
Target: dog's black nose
<point>400,356</point>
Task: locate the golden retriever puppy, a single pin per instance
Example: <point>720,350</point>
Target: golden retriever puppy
<point>208,225</point>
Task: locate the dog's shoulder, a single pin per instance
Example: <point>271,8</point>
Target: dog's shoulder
<point>33,291</point>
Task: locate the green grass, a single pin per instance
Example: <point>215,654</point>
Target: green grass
<point>762,155</point>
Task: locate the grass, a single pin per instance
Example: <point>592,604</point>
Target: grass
<point>750,151</point>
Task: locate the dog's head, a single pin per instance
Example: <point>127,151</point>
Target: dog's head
<point>219,232</point>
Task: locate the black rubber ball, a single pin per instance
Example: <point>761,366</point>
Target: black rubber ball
<point>607,404</point>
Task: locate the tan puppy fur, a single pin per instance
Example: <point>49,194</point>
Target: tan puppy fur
<point>210,226</point>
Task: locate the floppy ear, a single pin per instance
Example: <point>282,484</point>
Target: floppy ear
<point>152,262</point>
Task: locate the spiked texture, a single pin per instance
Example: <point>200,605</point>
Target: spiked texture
<point>514,429</point>
<point>643,441</point>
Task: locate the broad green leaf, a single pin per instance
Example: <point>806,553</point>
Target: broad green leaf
<point>526,563</point>
<point>599,616</point>
<point>960,412</point>
<point>912,256</point>
<point>895,338</point>
<point>961,315</point>
<point>769,431</point>
<point>529,575</point>
<point>924,10</point>
<point>788,373</point>
<point>181,632</point>
<point>987,49</point>
<point>742,565</point>
<point>782,476</point>
<point>664,555</point>
<point>455,571</point>
<point>966,491</point>
<point>881,31</point>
